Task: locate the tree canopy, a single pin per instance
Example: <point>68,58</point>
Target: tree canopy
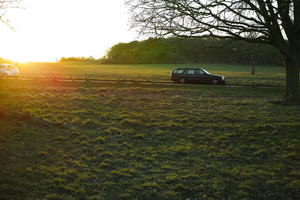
<point>192,50</point>
<point>273,22</point>
<point>4,6</point>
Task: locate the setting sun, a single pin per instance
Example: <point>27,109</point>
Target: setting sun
<point>201,100</point>
<point>50,29</point>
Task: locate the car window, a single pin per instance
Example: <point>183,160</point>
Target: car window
<point>10,67</point>
<point>199,71</point>
<point>190,71</point>
<point>178,71</point>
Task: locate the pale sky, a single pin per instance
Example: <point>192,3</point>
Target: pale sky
<point>47,30</point>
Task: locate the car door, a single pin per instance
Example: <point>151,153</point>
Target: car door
<point>3,70</point>
<point>190,75</point>
<point>177,74</point>
<point>200,76</point>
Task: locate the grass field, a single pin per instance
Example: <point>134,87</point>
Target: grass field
<point>235,74</point>
<point>83,140</point>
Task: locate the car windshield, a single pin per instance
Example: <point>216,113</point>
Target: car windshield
<point>205,71</point>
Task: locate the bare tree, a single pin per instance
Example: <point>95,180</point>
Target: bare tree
<point>4,6</point>
<point>273,22</point>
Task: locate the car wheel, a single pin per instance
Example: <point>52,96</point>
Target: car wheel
<point>214,81</point>
<point>182,80</point>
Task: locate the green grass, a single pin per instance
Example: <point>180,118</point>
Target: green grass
<point>72,140</point>
<point>164,69</point>
<point>235,74</point>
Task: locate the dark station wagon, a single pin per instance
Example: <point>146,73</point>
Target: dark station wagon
<point>195,75</point>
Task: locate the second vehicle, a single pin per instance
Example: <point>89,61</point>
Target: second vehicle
<point>9,70</point>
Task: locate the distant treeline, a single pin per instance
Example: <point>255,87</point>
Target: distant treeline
<point>78,59</point>
<point>3,60</point>
<point>175,50</point>
<point>191,50</point>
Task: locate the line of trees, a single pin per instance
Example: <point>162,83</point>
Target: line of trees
<point>77,59</point>
<point>192,50</point>
<point>3,60</point>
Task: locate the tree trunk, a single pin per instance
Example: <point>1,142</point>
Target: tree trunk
<point>292,94</point>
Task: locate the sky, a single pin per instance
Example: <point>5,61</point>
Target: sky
<point>46,30</point>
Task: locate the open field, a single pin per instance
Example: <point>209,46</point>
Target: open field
<point>108,141</point>
<point>235,74</point>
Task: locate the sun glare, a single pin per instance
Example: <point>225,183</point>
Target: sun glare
<point>50,29</point>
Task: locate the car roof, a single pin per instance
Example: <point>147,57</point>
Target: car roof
<point>188,68</point>
<point>7,65</point>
